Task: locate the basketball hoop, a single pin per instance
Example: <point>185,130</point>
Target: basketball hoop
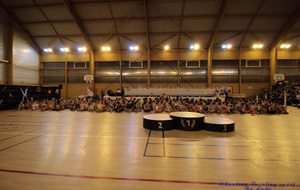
<point>88,78</point>
<point>278,77</point>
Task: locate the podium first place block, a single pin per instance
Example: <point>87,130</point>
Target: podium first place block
<point>188,121</point>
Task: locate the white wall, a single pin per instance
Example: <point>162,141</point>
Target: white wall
<point>4,19</point>
<point>26,60</point>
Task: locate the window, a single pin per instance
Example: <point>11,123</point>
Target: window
<point>253,63</point>
<point>135,64</point>
<point>193,63</point>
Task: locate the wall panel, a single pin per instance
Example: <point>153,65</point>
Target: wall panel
<point>249,53</point>
<point>3,67</point>
<point>3,41</point>
<point>288,54</point>
<point>26,60</point>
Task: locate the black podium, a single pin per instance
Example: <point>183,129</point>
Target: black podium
<point>188,121</point>
<point>219,124</point>
<point>160,122</point>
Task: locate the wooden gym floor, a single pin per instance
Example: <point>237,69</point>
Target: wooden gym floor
<point>82,150</point>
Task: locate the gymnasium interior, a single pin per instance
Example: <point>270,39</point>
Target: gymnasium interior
<point>73,49</point>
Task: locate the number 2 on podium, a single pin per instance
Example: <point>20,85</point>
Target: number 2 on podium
<point>160,125</point>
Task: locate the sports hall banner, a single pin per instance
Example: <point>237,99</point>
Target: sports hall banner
<point>90,91</point>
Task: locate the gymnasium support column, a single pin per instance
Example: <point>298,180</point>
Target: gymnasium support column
<point>209,67</point>
<point>92,68</point>
<point>240,70</point>
<point>178,62</point>
<point>121,85</point>
<point>66,75</point>
<point>148,67</point>
<point>10,65</point>
<point>41,70</point>
<point>273,64</point>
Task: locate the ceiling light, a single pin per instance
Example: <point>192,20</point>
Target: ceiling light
<point>136,48</point>
<point>285,46</point>
<point>196,46</point>
<point>224,46</point>
<point>166,47</point>
<point>255,46</point>
<point>131,48</point>
<point>45,50</point>
<point>192,47</point>
<point>228,46</point>
<point>106,49</point>
<point>82,49</point>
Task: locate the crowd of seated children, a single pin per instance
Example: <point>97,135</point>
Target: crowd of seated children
<point>159,105</point>
<point>291,89</point>
<point>230,106</point>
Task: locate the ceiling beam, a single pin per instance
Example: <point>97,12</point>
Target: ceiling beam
<point>228,38</point>
<point>79,24</point>
<point>249,25</point>
<point>257,38</point>
<point>286,28</point>
<point>38,48</point>
<point>133,41</point>
<point>57,34</point>
<point>90,3</point>
<point>146,24</point>
<point>171,33</point>
<point>75,4</point>
<point>115,25</point>
<point>194,17</point>
<point>294,37</point>
<point>181,22</point>
<point>224,6</point>
<point>165,40</point>
<point>116,29</point>
<point>167,18</point>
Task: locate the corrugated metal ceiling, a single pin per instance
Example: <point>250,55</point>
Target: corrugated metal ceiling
<point>205,7</point>
<point>279,6</point>
<point>199,25</point>
<point>202,16</point>
<point>229,38</point>
<point>235,24</point>
<point>99,27</point>
<point>171,42</point>
<point>29,15</point>
<point>167,8</point>
<point>93,11</point>
<point>59,13</point>
<point>237,7</point>
<point>40,30</point>
<point>268,23</point>
<point>163,26</point>
<point>66,29</point>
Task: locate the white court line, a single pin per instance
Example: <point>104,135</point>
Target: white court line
<point>120,137</point>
